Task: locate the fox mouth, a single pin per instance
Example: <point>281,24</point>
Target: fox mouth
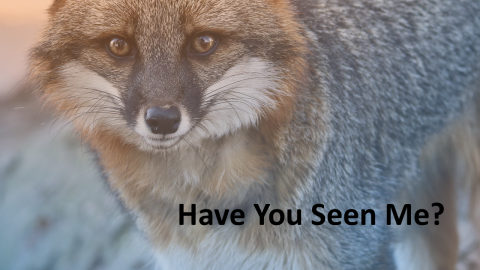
<point>161,143</point>
<point>162,139</point>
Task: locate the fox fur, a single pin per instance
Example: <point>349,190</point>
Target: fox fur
<point>337,102</point>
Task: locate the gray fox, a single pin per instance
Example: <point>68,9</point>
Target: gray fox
<point>292,103</point>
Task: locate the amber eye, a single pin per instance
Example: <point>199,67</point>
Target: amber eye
<point>119,47</point>
<point>204,44</point>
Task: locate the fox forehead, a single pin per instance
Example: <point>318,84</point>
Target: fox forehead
<point>161,29</point>
<point>164,18</point>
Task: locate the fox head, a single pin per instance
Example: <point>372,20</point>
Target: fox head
<point>160,74</point>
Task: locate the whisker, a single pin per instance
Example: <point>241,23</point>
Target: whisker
<point>198,155</point>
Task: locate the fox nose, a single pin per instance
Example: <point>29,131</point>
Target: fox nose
<point>163,121</point>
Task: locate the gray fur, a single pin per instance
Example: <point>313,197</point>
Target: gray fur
<point>394,73</point>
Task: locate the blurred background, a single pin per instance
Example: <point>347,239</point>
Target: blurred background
<point>56,211</point>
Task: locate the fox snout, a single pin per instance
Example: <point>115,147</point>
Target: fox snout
<point>161,99</point>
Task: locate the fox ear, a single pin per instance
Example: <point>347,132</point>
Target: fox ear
<point>57,4</point>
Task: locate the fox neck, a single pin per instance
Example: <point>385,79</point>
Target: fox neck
<point>220,169</point>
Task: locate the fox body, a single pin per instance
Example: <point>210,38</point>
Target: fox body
<point>227,104</point>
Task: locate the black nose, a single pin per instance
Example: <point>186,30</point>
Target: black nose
<point>163,121</point>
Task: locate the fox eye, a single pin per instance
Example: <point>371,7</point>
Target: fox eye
<point>119,47</point>
<point>204,44</point>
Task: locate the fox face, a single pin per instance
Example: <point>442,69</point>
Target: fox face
<point>166,74</point>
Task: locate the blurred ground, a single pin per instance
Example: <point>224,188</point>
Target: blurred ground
<point>56,212</point>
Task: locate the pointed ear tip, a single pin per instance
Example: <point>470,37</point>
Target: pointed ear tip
<point>56,5</point>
